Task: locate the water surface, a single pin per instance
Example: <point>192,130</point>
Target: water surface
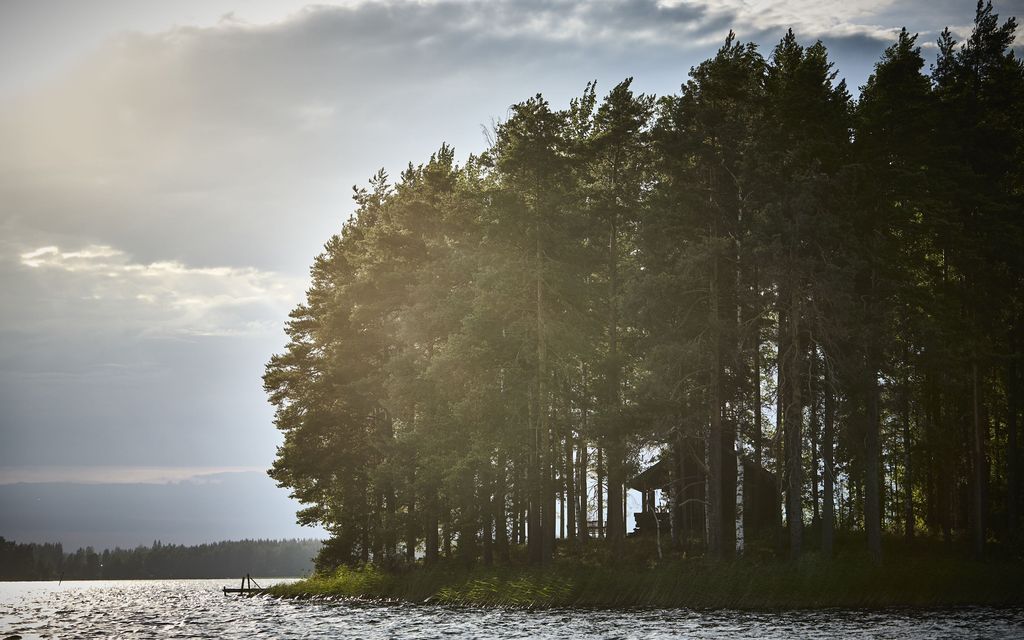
<point>197,609</point>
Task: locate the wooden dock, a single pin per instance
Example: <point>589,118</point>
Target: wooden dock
<point>247,588</point>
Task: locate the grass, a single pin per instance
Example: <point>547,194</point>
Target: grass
<point>850,582</point>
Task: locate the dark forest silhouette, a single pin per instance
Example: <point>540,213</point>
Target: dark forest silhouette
<point>228,559</point>
<point>759,269</point>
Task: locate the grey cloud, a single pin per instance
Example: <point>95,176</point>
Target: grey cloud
<point>202,144</point>
<point>158,298</point>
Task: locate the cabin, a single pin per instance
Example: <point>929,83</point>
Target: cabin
<point>679,474</point>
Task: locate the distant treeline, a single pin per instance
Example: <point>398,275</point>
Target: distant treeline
<point>48,561</point>
<point>759,277</point>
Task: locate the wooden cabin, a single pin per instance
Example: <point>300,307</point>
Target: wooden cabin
<point>680,476</point>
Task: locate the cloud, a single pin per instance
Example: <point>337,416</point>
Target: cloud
<point>237,143</point>
<point>162,297</point>
<point>110,360</point>
<point>810,18</point>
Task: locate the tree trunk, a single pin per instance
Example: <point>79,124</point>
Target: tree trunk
<point>872,470</point>
<point>714,439</point>
<point>781,400</point>
<point>432,524</point>
<point>908,477</point>
<point>793,423</point>
<point>501,547</point>
<point>534,483</point>
<point>411,515</point>
<point>485,506</point>
<point>523,493</point>
<point>815,427</point>
<point>561,508</point>
<point>542,514</point>
<point>740,532</point>
<point>732,466</point>
<point>583,469</point>
<point>675,491</point>
<point>615,522</point>
<point>446,532</point>
<point>550,509</point>
<point>616,454</point>
<point>828,465</point>
<point>1012,455</point>
<point>517,505</point>
<point>583,512</point>
<point>390,530</point>
<point>707,492</point>
<point>625,506</point>
<point>570,490</point>
<point>365,546</point>
<point>978,524</point>
<point>758,427</point>
<point>600,493</point>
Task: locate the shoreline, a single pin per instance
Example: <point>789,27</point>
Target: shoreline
<point>691,584</point>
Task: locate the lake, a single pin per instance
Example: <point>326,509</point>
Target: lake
<point>197,609</point>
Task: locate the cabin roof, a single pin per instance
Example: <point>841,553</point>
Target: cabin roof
<point>655,476</point>
<point>658,475</point>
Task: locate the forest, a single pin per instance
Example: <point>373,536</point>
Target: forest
<point>758,276</point>
<point>228,559</point>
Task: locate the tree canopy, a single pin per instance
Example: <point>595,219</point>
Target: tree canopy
<point>757,275</point>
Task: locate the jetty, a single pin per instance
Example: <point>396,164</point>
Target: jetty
<point>248,587</point>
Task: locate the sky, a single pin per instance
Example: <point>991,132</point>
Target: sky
<point>169,171</point>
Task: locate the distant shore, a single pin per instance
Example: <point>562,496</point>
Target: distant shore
<point>809,584</point>
<point>32,561</point>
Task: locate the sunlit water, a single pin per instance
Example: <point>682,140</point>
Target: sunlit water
<point>198,609</point>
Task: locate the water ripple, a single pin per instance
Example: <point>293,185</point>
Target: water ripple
<point>197,609</point>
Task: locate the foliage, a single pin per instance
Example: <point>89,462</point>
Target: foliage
<point>850,581</point>
<point>757,272</point>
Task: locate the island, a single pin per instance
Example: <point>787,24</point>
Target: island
<point>753,344</point>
